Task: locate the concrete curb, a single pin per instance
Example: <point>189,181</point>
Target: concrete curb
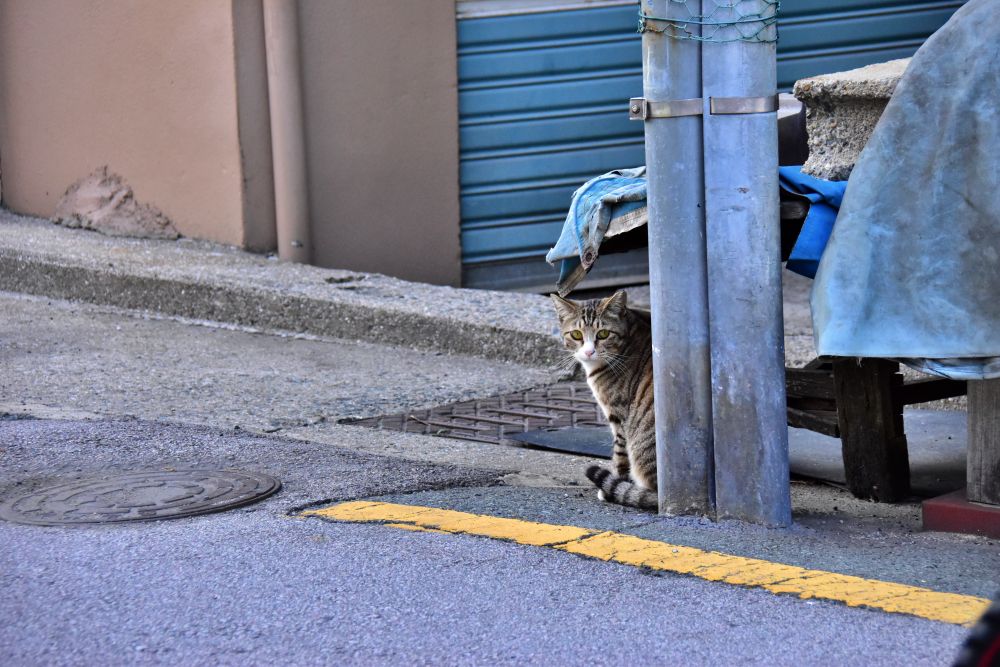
<point>201,280</point>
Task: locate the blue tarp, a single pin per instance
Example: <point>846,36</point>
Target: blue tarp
<point>912,270</point>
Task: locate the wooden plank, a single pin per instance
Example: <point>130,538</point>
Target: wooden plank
<point>806,383</point>
<point>820,363</point>
<point>819,421</point>
<point>876,462</point>
<point>983,471</point>
<point>793,210</point>
<point>813,404</point>
<point>931,389</point>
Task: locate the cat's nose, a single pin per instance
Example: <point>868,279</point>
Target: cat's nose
<point>588,353</point>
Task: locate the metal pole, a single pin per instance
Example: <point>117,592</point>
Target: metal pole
<point>281,43</point>
<point>677,273</point>
<point>741,197</point>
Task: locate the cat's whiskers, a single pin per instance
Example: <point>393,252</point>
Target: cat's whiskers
<point>566,362</point>
<point>615,364</point>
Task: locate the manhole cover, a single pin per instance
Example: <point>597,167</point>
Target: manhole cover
<point>139,496</point>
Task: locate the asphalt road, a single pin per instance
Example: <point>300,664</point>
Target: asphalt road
<point>255,587</point>
<point>258,586</point>
<point>261,585</point>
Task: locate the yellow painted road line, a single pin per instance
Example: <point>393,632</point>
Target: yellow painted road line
<point>709,565</point>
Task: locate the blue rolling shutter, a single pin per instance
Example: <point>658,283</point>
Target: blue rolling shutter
<point>542,106</point>
<point>820,36</point>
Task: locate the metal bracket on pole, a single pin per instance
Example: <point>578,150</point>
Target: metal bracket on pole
<point>639,108</point>
<point>718,106</point>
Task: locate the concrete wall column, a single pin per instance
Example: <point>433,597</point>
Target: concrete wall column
<point>381,117</point>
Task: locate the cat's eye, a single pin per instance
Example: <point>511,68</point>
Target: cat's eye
<point>576,335</point>
<point>602,334</point>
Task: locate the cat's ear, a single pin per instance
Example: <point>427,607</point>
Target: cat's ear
<point>614,304</point>
<point>565,308</point>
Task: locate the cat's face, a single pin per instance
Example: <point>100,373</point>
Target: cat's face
<point>593,330</point>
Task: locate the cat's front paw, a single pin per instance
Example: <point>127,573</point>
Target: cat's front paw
<point>601,496</point>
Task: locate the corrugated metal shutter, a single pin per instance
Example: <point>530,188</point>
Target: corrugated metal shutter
<point>542,107</point>
<point>819,36</point>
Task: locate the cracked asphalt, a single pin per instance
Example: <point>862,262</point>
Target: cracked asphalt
<point>86,390</point>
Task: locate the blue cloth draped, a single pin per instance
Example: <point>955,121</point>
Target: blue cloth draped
<point>824,203</point>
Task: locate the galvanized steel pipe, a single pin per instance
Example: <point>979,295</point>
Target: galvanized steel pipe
<point>744,296</point>
<point>677,272</point>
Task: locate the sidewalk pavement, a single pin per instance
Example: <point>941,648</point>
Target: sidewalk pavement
<point>200,280</point>
<point>206,281</point>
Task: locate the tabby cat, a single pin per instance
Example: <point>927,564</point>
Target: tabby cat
<point>613,344</point>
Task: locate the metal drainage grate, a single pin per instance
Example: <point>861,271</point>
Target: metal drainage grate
<point>495,419</point>
<point>140,496</point>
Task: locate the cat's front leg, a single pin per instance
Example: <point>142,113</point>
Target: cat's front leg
<point>619,457</point>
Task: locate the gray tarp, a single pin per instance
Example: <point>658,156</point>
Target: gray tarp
<point>912,268</point>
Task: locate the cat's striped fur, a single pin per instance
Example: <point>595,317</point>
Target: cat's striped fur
<point>613,344</point>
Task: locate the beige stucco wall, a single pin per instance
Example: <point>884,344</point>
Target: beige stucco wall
<point>145,86</point>
<point>381,116</point>
<point>172,95</point>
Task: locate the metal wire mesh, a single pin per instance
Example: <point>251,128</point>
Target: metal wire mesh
<point>716,20</point>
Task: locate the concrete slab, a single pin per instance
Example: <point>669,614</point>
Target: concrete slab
<point>63,360</point>
<point>43,452</point>
<point>82,361</point>
<point>670,557</point>
<point>842,110</point>
<point>259,589</point>
<point>257,585</point>
<point>936,441</point>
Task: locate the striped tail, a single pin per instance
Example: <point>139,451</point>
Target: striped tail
<point>622,491</point>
